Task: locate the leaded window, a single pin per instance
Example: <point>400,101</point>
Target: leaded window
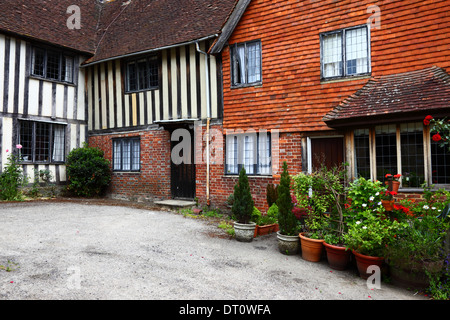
<point>246,63</point>
<point>127,154</point>
<point>52,65</point>
<point>142,74</point>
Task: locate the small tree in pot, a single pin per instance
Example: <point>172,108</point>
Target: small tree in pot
<point>242,209</point>
<point>288,240</point>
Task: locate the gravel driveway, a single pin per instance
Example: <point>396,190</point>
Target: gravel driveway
<point>74,250</point>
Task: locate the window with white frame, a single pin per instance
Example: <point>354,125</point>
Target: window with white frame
<point>401,148</point>
<point>251,151</point>
<point>345,52</point>
<point>127,154</point>
<point>246,63</point>
<point>52,65</point>
<point>42,142</point>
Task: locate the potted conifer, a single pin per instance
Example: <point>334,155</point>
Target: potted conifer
<point>288,239</point>
<point>242,209</point>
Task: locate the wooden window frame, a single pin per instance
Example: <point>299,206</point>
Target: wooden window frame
<point>344,75</point>
<point>151,61</point>
<point>233,49</point>
<point>61,54</point>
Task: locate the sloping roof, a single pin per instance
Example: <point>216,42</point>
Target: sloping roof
<point>416,92</point>
<point>46,20</point>
<point>118,27</point>
<point>136,26</point>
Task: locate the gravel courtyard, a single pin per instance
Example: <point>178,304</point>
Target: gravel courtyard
<point>78,250</point>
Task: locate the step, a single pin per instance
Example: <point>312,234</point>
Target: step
<point>175,204</point>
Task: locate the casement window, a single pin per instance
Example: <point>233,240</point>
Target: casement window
<point>246,63</point>
<point>142,74</point>
<point>251,151</point>
<point>52,65</point>
<point>345,52</point>
<point>405,148</point>
<point>127,154</point>
<point>42,142</point>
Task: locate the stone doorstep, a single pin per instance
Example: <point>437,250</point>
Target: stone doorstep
<point>174,204</point>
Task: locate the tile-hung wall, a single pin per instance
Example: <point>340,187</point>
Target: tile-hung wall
<point>180,92</point>
<point>41,106</point>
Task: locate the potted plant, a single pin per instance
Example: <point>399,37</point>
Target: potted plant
<point>418,251</point>
<point>393,181</point>
<point>267,223</point>
<point>288,240</point>
<point>242,209</point>
<point>368,238</point>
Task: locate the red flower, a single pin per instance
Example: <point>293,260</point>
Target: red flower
<point>398,175</point>
<point>436,137</point>
<point>427,120</point>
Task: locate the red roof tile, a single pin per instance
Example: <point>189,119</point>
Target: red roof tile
<point>415,92</point>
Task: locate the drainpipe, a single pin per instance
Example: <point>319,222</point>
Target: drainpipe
<point>208,118</point>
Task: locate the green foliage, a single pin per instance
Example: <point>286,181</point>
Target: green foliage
<point>242,208</point>
<point>256,215</point>
<point>272,194</point>
<point>88,172</point>
<point>287,221</point>
<point>12,179</point>
<point>372,233</point>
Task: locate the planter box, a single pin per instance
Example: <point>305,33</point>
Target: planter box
<point>263,230</point>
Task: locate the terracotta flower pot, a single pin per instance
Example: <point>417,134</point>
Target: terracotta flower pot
<point>311,248</point>
<point>338,257</point>
<point>395,185</point>
<point>266,229</point>
<point>388,204</point>
<point>363,262</point>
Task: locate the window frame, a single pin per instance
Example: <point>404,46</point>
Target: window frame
<point>343,68</point>
<point>149,60</point>
<point>233,48</point>
<point>50,139</point>
<point>61,55</point>
<point>132,154</point>
<point>427,156</point>
<point>239,151</point>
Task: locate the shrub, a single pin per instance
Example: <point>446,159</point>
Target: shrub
<point>88,172</point>
<point>272,194</point>
<point>287,221</point>
<point>12,178</point>
<point>242,208</point>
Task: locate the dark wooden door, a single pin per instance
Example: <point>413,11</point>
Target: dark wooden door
<point>327,151</point>
<point>183,174</point>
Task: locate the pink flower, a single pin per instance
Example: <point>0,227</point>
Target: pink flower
<point>18,146</point>
<point>7,150</point>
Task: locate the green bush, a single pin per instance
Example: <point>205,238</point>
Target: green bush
<point>242,208</point>
<point>88,172</point>
<point>12,179</point>
<point>287,220</point>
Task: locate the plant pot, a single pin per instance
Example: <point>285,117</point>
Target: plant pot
<point>311,248</point>
<point>338,257</point>
<point>288,245</point>
<point>266,229</point>
<point>395,185</point>
<point>244,232</point>
<point>363,262</point>
<point>388,204</point>
<point>414,278</point>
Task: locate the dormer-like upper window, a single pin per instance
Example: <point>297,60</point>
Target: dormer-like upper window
<point>52,65</point>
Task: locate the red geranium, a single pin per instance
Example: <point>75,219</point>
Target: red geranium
<point>437,137</point>
<point>427,120</point>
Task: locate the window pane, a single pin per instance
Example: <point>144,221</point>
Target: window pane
<point>126,155</point>
<point>239,64</point>
<point>356,51</point>
<point>440,163</point>
<point>386,150</point>
<point>67,69</point>
<point>232,149</point>
<point>362,153</point>
<point>58,143</point>
<point>332,55</point>
<point>132,76</point>
<point>153,72</point>
<point>117,146</point>
<point>42,146</point>
<point>254,62</point>
<point>411,139</point>
<point>26,140</point>
<point>38,63</point>
<point>264,159</point>
<point>136,155</point>
<point>53,65</point>
<point>249,154</point>
<point>143,80</point>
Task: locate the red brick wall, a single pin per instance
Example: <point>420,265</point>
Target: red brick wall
<point>221,185</point>
<point>413,35</point>
<point>153,181</point>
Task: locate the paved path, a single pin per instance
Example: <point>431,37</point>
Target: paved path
<point>75,251</point>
